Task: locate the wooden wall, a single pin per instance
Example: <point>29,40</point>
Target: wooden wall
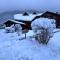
<point>53,16</point>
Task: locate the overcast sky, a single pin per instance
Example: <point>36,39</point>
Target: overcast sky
<point>52,5</point>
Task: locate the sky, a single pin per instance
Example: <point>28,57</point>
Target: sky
<point>43,5</point>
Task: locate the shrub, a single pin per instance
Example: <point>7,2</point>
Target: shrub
<point>43,29</point>
<point>18,29</point>
<point>9,30</point>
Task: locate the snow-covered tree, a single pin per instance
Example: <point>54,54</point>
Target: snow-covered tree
<point>10,29</point>
<point>43,29</point>
<point>18,29</point>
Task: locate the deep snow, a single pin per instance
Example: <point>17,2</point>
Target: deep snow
<point>11,48</point>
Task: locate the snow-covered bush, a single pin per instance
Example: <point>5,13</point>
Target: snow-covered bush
<point>43,29</point>
<point>14,28</point>
<point>18,29</point>
<point>10,29</point>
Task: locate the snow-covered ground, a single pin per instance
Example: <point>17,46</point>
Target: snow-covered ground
<point>11,48</point>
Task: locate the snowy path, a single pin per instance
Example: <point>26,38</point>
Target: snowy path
<point>13,49</point>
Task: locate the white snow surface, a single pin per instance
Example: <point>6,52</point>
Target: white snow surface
<point>11,48</point>
<point>26,18</point>
<point>17,22</point>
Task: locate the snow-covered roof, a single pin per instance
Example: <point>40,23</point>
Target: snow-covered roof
<point>26,18</point>
<point>39,14</point>
<point>17,22</point>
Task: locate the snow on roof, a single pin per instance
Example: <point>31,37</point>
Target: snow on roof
<point>39,14</point>
<point>26,18</point>
<point>16,22</point>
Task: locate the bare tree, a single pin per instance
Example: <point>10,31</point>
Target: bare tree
<point>25,31</point>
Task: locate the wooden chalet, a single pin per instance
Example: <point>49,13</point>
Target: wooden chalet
<point>27,24</point>
<point>50,15</point>
<point>8,23</point>
<point>26,19</point>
